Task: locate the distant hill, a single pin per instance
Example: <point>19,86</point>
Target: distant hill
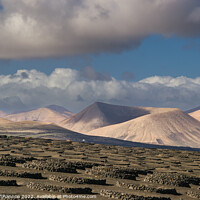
<point>41,115</point>
<point>173,127</point>
<point>101,114</point>
<point>50,114</point>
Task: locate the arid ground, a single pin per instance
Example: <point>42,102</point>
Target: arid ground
<point>30,166</point>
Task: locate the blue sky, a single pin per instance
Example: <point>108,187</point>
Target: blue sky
<point>157,55</point>
<point>75,52</point>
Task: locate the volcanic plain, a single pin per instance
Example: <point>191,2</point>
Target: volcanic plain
<point>34,166</point>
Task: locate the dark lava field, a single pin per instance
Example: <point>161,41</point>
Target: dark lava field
<point>32,168</point>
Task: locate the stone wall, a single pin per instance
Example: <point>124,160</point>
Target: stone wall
<point>113,172</point>
<point>8,183</point>
<point>60,189</point>
<point>50,166</point>
<point>126,196</point>
<point>77,180</point>
<point>145,188</point>
<point>175,179</point>
<point>21,174</point>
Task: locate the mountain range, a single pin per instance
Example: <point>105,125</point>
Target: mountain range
<point>147,125</point>
<point>51,131</point>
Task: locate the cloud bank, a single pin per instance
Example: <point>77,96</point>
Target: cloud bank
<point>71,89</point>
<point>45,28</point>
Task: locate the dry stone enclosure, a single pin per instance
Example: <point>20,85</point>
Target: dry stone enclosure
<point>30,166</point>
<point>175,179</point>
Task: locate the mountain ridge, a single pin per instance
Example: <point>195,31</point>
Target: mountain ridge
<point>174,128</point>
<point>102,114</point>
<point>160,126</point>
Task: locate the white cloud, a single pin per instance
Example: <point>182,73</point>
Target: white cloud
<point>69,88</point>
<point>44,28</point>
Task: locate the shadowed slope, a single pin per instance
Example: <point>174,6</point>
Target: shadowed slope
<point>167,128</point>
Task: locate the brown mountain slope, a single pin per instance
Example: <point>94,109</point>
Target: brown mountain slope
<point>41,114</point>
<point>101,114</point>
<point>168,128</point>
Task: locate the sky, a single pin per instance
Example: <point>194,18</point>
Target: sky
<point>75,52</point>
